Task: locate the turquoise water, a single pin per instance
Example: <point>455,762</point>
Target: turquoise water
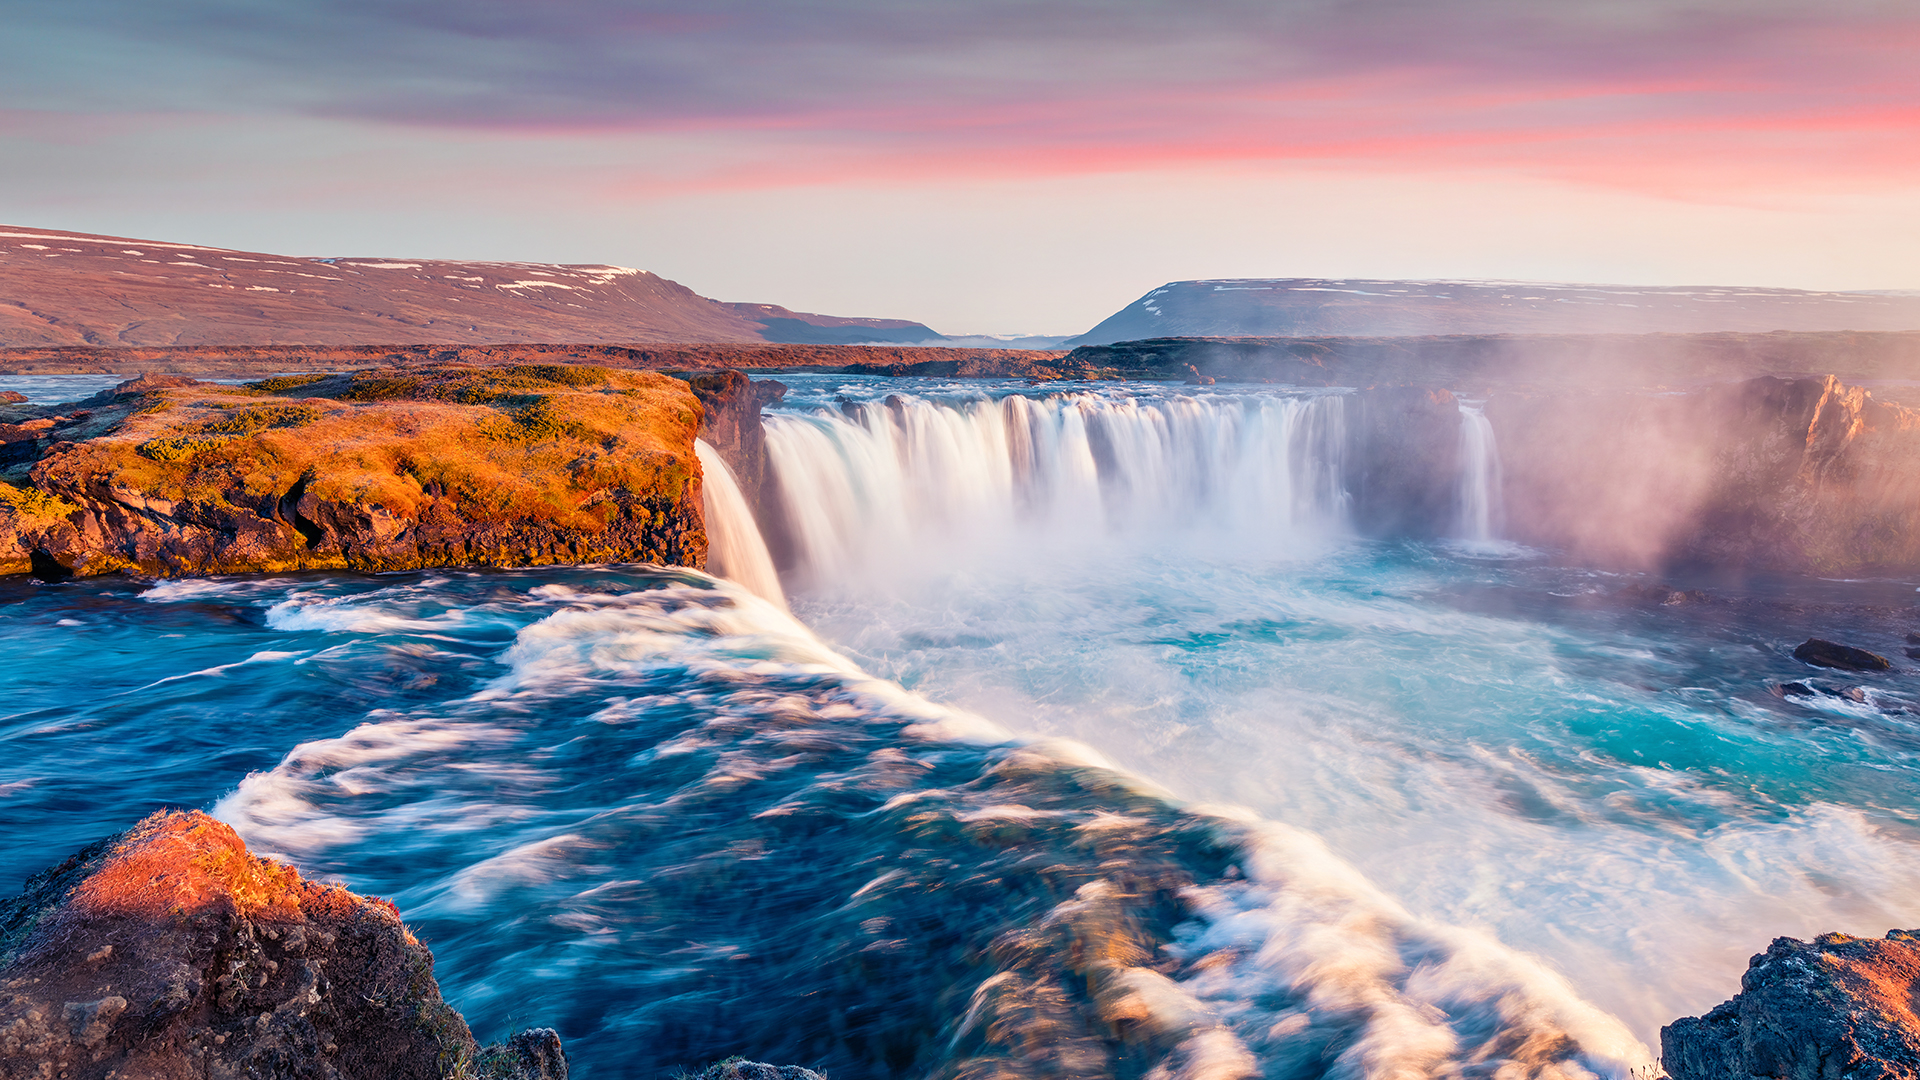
<point>1353,806</point>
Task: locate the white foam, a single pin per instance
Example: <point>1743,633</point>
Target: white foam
<point>265,657</point>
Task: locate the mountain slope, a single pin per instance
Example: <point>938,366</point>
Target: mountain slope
<point>64,288</point>
<point>1318,307</point>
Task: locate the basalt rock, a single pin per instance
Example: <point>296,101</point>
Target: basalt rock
<point>169,952</point>
<point>385,469</point>
<point>1832,654</point>
<point>737,1069</point>
<point>1403,460</point>
<point>732,426</point>
<point>1839,1008</point>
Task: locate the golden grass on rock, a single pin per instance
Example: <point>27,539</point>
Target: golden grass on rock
<point>377,470</point>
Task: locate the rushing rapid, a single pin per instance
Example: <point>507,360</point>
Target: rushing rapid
<point>1094,745</point>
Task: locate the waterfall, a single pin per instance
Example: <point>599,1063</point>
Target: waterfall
<point>1478,507</point>
<point>735,549</point>
<point>911,480</point>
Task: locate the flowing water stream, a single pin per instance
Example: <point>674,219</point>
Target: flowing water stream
<point>1094,745</point>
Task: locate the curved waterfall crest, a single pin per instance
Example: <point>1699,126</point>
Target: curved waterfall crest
<point>735,548</point>
<point>912,476</point>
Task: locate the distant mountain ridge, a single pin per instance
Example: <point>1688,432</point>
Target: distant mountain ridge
<point>1337,307</point>
<point>67,288</point>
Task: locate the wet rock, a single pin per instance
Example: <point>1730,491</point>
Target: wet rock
<point>1664,595</point>
<point>1913,638</point>
<point>1839,1007</point>
<point>739,1069</point>
<point>13,397</point>
<point>169,952</point>
<point>534,1054</point>
<point>1829,654</point>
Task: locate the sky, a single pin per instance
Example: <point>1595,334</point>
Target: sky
<point>988,166</point>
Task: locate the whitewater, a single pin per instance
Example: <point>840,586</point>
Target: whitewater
<point>1075,734</point>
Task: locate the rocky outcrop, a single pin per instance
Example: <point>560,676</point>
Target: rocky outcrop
<point>1838,1008</point>
<point>170,952</point>
<point>375,470</point>
<point>739,1069</point>
<point>731,425</point>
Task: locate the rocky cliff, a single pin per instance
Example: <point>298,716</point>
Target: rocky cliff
<point>170,952</point>
<point>732,426</point>
<point>1838,1008</point>
<point>376,470</point>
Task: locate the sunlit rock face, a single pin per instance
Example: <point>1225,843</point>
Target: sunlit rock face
<point>1837,1007</point>
<point>170,951</point>
<point>376,470</point>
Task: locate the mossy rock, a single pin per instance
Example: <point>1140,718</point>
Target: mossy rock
<point>383,470</point>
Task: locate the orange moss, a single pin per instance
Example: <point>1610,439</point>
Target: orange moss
<point>188,864</point>
<point>426,466</point>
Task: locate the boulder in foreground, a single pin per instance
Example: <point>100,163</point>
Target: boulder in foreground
<point>1839,1008</point>
<point>170,952</point>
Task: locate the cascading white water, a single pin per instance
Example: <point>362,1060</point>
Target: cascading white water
<point>1479,505</point>
<point>903,481</point>
<point>735,550</point>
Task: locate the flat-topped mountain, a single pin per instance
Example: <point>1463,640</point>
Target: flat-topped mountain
<point>1328,307</point>
<point>64,288</point>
